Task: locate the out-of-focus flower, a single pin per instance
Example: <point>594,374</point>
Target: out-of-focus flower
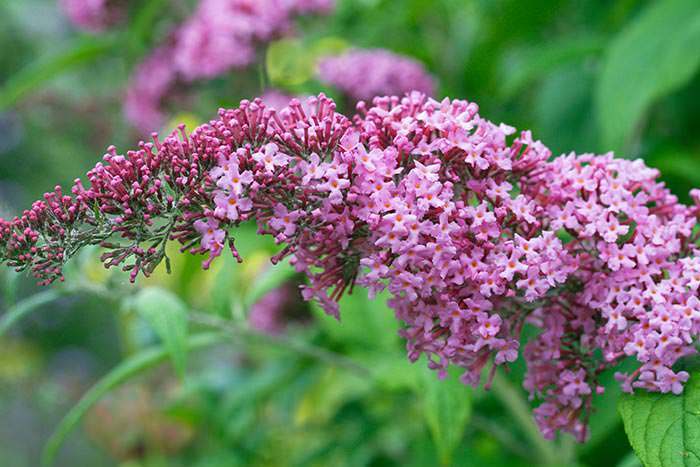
<point>93,15</point>
<point>148,86</point>
<point>221,35</point>
<point>280,307</point>
<point>363,74</point>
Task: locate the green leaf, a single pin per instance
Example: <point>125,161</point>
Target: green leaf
<point>167,315</point>
<point>654,55</point>
<point>330,45</point>
<point>564,111</point>
<point>25,307</point>
<point>269,280</point>
<point>447,406</point>
<point>365,324</point>
<point>10,281</point>
<point>529,66</point>
<point>141,28</point>
<point>664,429</point>
<point>680,169</point>
<point>130,367</point>
<point>224,291</point>
<point>630,460</point>
<point>331,390</point>
<point>81,52</point>
<point>289,63</point>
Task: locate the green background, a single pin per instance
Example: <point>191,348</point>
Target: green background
<point>584,76</point>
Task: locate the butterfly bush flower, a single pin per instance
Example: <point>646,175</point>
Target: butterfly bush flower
<point>363,74</point>
<point>93,15</point>
<point>471,226</point>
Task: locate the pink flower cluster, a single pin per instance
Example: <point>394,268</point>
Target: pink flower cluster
<point>219,36</point>
<point>472,227</point>
<point>363,74</point>
<point>93,15</point>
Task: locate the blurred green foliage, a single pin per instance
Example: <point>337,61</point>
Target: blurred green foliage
<point>583,75</point>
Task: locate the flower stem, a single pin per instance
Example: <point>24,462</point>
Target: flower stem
<point>281,341</point>
<point>514,401</point>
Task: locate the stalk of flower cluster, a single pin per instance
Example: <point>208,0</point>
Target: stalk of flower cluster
<point>474,230</point>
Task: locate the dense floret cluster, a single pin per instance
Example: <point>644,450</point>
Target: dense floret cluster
<point>474,229</point>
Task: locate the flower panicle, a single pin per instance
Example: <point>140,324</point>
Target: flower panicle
<point>471,227</point>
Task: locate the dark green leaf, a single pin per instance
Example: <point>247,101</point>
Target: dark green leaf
<point>26,306</point>
<point>654,55</point>
<point>141,29</point>
<point>542,60</point>
<point>564,110</point>
<point>81,52</point>
<point>630,460</point>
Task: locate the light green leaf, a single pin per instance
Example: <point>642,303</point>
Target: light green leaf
<point>664,429</point>
<point>224,293</point>
<point>10,281</point>
<point>330,45</point>
<point>289,63</point>
<point>447,406</point>
<point>333,388</point>
<point>269,280</point>
<point>25,307</point>
<point>654,55</point>
<point>130,367</point>
<point>81,52</point>
<point>392,370</point>
<point>366,324</point>
<point>167,315</point>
